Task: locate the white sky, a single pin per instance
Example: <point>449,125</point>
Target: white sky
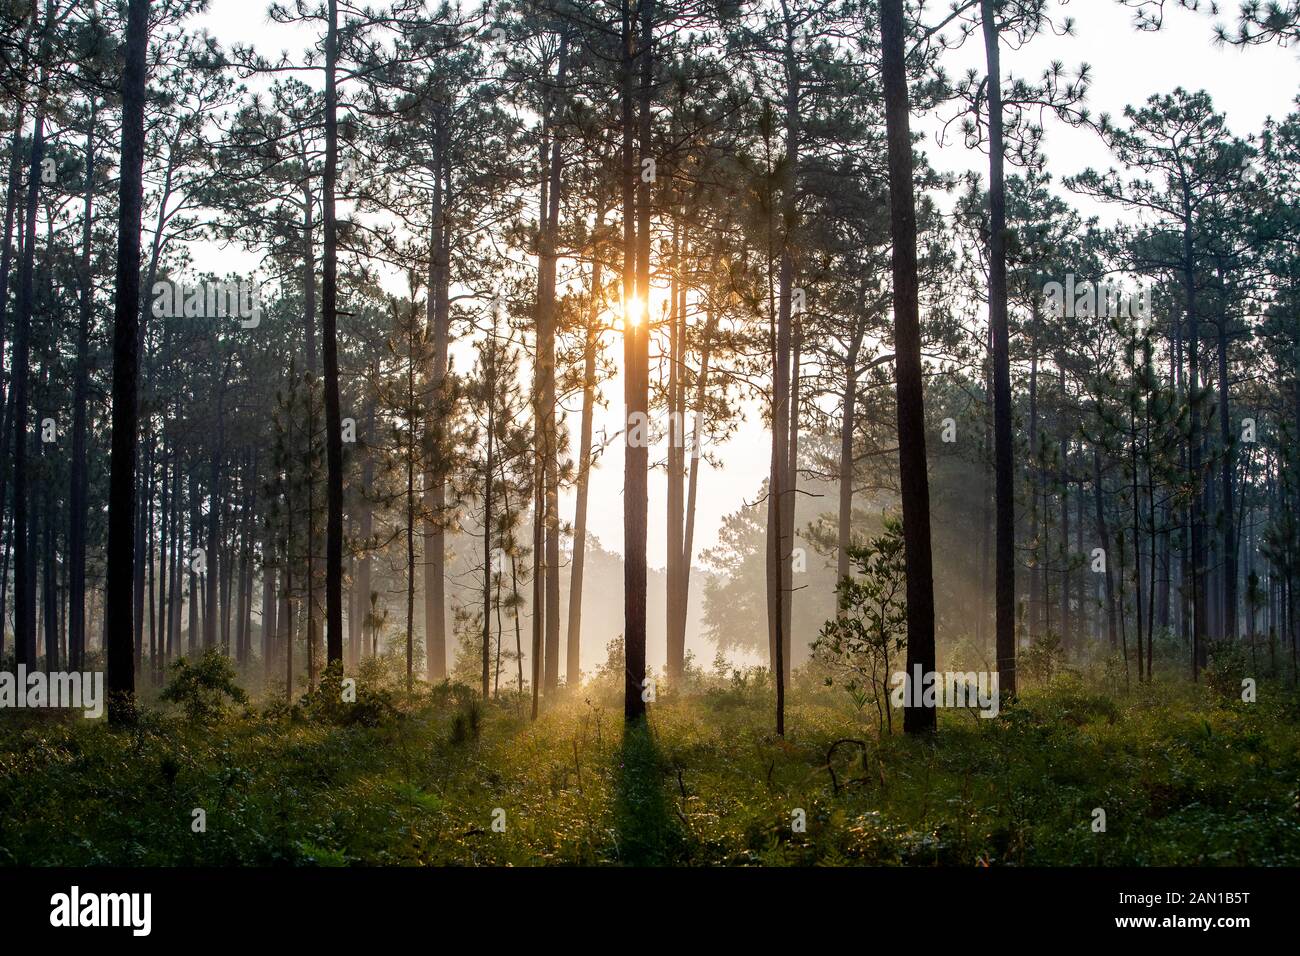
<point>1127,67</point>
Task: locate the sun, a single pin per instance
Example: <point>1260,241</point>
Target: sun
<point>630,313</point>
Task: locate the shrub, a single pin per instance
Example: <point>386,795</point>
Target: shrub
<point>1042,658</point>
<point>200,687</point>
<point>860,643</point>
<point>360,702</point>
<point>1225,668</point>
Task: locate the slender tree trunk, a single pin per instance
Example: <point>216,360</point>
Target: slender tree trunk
<point>175,594</point>
<point>329,317</point>
<point>410,529</point>
<point>675,472</point>
<point>1066,636</point>
<point>435,480</point>
<point>363,586</point>
<point>692,491</point>
<point>789,500</point>
<point>1197,557</point>
<point>780,546</point>
<point>636,281</point>
<point>539,591</point>
<point>1005,544</point>
<point>488,518</point>
<point>546,354</point>
<point>49,599</point>
<point>13,197</point>
<point>1230,563</point>
<point>1137,537</point>
<point>120,561</point>
<point>164,571</point>
<point>24,572</point>
<point>1104,537</point>
<point>844,536</point>
<point>77,503</point>
<point>192,638</point>
<point>591,348</point>
<point>1035,489</point>
<point>913,475</point>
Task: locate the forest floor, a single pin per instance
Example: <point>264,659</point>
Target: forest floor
<point>1185,775</point>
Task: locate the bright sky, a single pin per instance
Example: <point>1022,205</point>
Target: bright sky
<point>1127,67</point>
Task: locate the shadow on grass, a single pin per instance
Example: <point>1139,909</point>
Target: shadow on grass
<point>648,830</point>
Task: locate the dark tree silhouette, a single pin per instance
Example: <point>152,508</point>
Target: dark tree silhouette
<point>118,626</point>
<point>913,476</point>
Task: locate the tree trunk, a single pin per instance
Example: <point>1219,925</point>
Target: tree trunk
<point>573,654</point>
<point>1104,536</point>
<point>77,503</point>
<point>120,558</point>
<point>1197,558</point>
<point>913,475</point>
<point>844,535</point>
<point>362,583</point>
<point>1227,464</point>
<point>329,322</point>
<point>636,281</point>
<point>780,545</point>
<point>1005,543</point>
<point>490,435</point>
<point>1035,488</point>
<point>13,196</point>
<point>692,491</point>
<point>675,472</point>
<point>438,316</point>
<point>24,573</point>
<point>546,356</point>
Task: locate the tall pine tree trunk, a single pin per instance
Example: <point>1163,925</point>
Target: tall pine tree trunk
<point>693,482</point>
<point>591,347</point>
<point>24,571</point>
<point>844,533</point>
<point>1226,466</point>
<point>77,499</point>
<point>1005,521</point>
<point>546,327</point>
<point>439,319</point>
<point>329,321</point>
<point>1197,557</point>
<point>914,478</point>
<point>636,276</point>
<point>120,558</point>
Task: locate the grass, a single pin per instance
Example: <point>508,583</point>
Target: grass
<point>1185,776</point>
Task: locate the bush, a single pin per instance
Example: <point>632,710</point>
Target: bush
<point>1042,658</point>
<point>867,639</point>
<point>467,723</point>
<point>1225,668</point>
<point>359,702</point>
<point>200,687</point>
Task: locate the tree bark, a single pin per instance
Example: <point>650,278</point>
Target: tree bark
<point>329,317</point>
<point>849,401</point>
<point>77,503</point>
<point>546,324</point>
<point>126,318</point>
<point>914,479</point>
<point>439,320</point>
<point>1005,520</point>
<point>573,655</point>
<point>636,281</point>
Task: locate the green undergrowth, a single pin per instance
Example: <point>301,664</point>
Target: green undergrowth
<point>1183,774</point>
